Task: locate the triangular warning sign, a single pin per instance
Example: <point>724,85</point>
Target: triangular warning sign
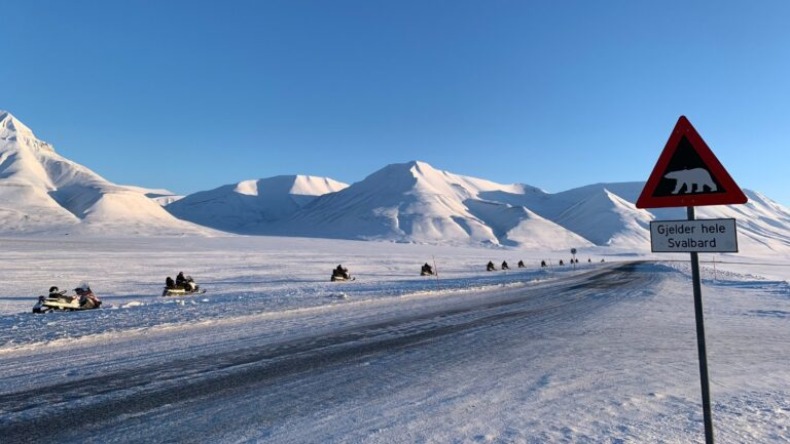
<point>688,174</point>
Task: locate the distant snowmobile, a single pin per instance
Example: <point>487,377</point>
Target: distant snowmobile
<point>426,270</point>
<point>340,274</point>
<point>182,286</point>
<point>59,300</point>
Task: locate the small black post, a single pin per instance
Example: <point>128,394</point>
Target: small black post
<point>703,358</point>
<point>436,272</point>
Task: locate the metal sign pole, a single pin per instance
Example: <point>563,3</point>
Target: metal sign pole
<point>703,359</point>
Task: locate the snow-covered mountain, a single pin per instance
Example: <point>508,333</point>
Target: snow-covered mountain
<point>414,202</point>
<point>603,214</point>
<point>762,223</point>
<point>251,206</point>
<point>43,192</point>
<point>606,215</point>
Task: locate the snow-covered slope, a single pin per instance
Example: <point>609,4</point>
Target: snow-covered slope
<point>607,219</point>
<point>251,206</point>
<point>763,225</point>
<point>159,195</point>
<point>599,213</point>
<point>414,202</point>
<point>606,215</point>
<point>42,192</point>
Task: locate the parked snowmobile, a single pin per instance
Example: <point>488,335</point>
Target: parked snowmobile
<point>182,286</point>
<point>341,274</point>
<point>59,300</point>
<point>426,270</point>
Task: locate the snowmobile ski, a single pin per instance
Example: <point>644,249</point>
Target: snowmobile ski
<point>61,302</point>
<point>183,291</point>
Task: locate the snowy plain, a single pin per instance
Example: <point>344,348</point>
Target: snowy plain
<point>274,352</point>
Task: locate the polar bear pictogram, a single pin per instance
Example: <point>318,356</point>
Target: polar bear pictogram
<point>694,180</point>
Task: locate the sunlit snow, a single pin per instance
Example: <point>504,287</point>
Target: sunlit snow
<point>275,352</point>
<point>603,350</point>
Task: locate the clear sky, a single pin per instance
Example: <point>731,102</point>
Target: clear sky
<point>191,95</point>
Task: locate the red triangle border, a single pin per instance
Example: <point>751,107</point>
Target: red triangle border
<point>732,195</point>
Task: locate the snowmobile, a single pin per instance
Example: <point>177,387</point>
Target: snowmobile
<point>59,300</point>
<point>186,287</point>
<point>426,270</point>
<point>340,274</point>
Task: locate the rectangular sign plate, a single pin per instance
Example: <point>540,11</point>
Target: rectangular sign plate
<point>699,235</point>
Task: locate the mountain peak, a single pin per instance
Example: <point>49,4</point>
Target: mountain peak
<point>415,168</point>
<point>10,124</point>
<point>43,192</point>
<point>12,130</point>
<point>421,167</point>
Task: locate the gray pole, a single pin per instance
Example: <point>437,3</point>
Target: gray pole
<point>703,359</point>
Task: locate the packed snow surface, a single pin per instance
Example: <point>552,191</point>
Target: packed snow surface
<point>274,352</point>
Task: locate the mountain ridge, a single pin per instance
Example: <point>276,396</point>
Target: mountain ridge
<point>42,192</point>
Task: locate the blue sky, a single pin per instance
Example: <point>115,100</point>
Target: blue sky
<point>191,95</point>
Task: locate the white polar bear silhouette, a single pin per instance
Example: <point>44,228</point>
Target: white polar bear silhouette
<point>695,178</point>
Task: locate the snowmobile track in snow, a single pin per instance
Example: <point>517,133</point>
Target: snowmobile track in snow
<point>52,413</point>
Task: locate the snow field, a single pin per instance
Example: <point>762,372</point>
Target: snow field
<point>577,361</point>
